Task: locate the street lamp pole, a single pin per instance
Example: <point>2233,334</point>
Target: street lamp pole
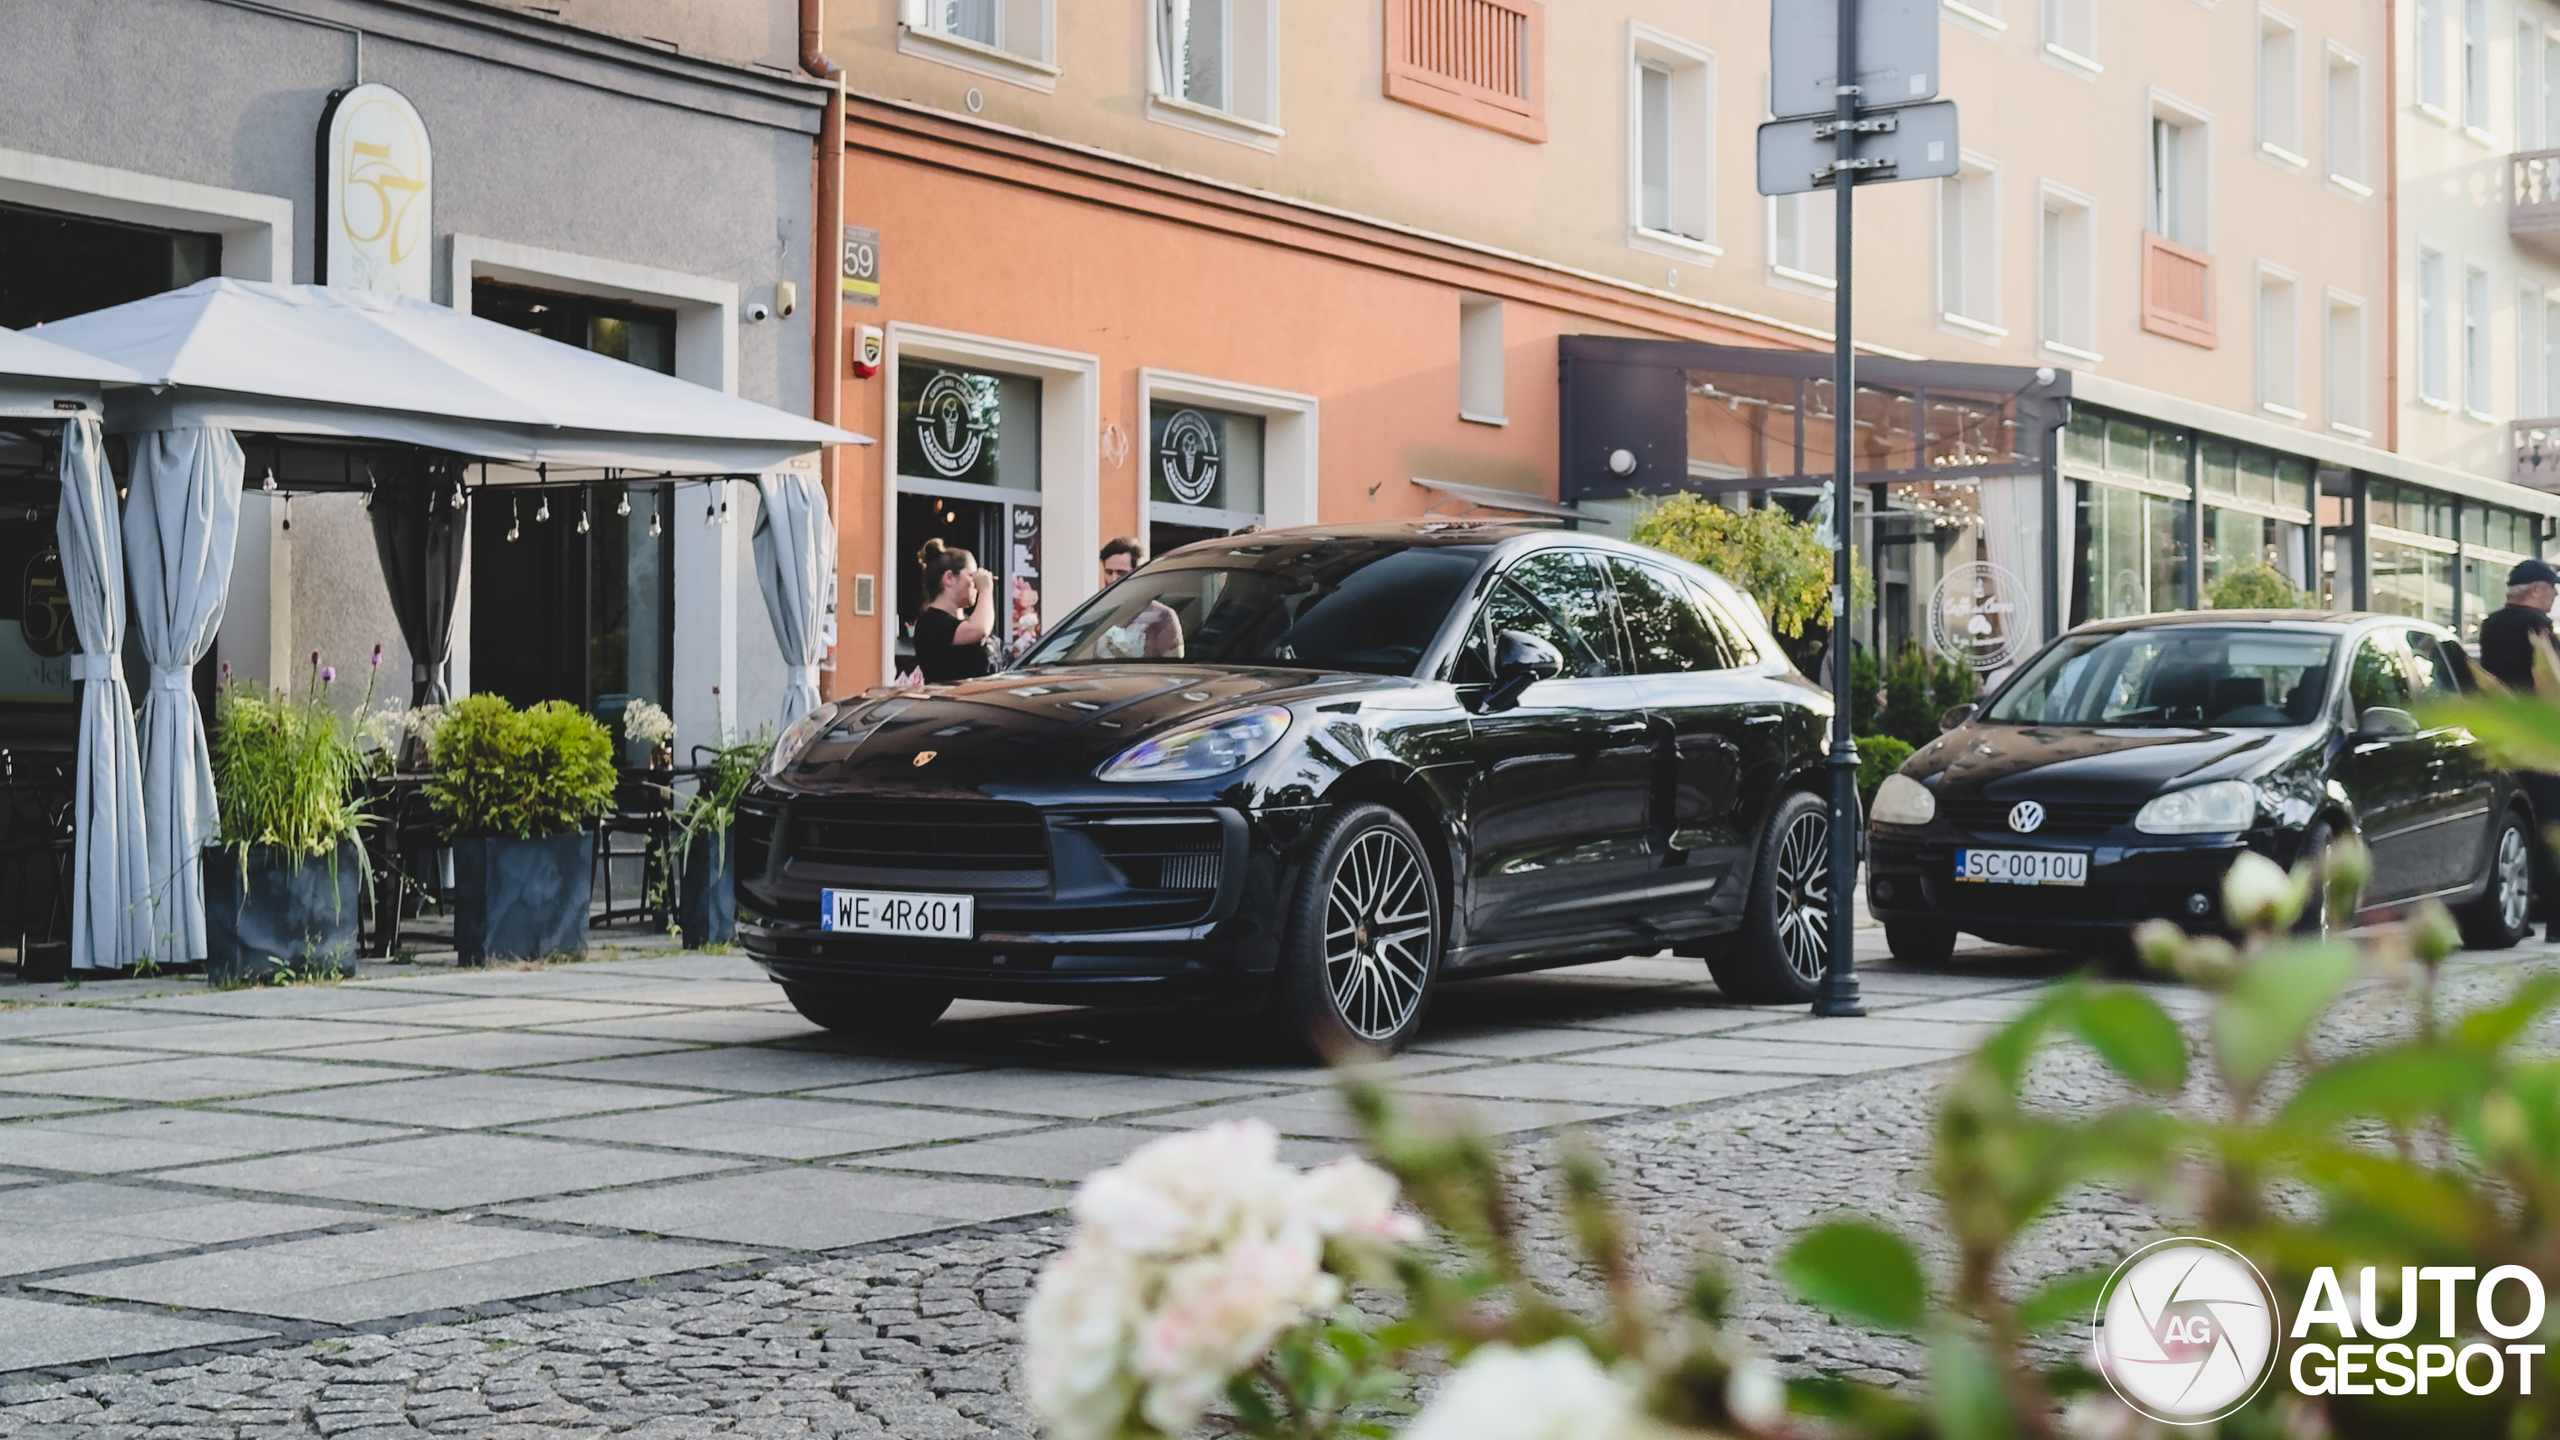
<point>1839,993</point>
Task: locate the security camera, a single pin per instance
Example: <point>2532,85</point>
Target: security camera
<point>758,310</point>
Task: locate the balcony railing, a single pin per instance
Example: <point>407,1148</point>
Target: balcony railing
<point>2533,199</point>
<point>2177,291</point>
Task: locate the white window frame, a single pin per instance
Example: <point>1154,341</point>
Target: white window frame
<point>2531,345</point>
<point>2547,71</point>
<point>2430,329</point>
<point>1166,105</point>
<point>1803,276</point>
<point>2345,377</point>
<point>922,36</point>
<point>2280,92</point>
<point>1692,169</point>
<point>1484,352</point>
<point>1289,449</point>
<point>2547,404</point>
<point>1070,459</point>
<point>2474,55</point>
<point>2527,79</point>
<point>1980,16</point>
<point>2070,36</point>
<point>2344,133</point>
<point>2432,57</point>
<point>2477,325</point>
<point>2279,326</point>
<point>2195,172</point>
<point>2058,310</point>
<point>1973,268</point>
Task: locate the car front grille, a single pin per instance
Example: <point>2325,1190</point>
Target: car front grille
<point>2061,817</point>
<point>983,844</point>
<point>1173,852</point>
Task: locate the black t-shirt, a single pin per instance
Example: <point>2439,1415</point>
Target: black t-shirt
<point>942,658</point>
<point>2506,643</point>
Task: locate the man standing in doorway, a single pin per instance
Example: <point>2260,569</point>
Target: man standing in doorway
<point>1119,557</point>
<point>2508,640</point>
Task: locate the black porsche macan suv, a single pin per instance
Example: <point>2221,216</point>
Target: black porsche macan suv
<point>2115,776</point>
<point>1310,772</point>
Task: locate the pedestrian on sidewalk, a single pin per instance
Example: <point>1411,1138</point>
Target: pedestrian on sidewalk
<point>2509,639</point>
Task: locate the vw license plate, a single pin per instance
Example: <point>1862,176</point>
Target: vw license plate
<point>2024,867</point>
<point>891,912</point>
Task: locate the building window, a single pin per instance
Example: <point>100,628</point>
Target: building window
<point>1011,40</point>
<point>2066,272</point>
<point>2178,180</point>
<point>1802,229</point>
<point>2177,269</point>
<point>1204,474</point>
<point>2345,365</point>
<point>2280,91</point>
<point>1480,61</point>
<point>2279,346</point>
<point>1671,122</point>
<point>1217,55</point>
<point>2475,64</point>
<point>2475,340</point>
<point>2530,343</point>
<point>1480,356</point>
<point>54,266</point>
<point>2435,380</point>
<point>1969,248</point>
<point>2430,22</point>
<point>2346,121</point>
<point>969,475</point>
<point>2071,33</point>
<point>2528,84</point>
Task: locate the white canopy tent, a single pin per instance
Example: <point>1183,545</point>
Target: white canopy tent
<point>225,357</point>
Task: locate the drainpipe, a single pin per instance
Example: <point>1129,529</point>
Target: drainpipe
<point>2390,234</point>
<point>826,245</point>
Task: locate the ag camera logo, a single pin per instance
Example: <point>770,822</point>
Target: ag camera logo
<point>2186,1331</point>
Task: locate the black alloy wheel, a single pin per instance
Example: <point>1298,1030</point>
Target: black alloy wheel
<point>872,1010</point>
<point>1779,955</point>
<point>2503,913</point>
<point>1362,954</point>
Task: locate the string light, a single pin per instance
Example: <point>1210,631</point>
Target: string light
<point>582,512</point>
<point>514,527</point>
<point>542,511</point>
<point>270,485</point>
<point>623,507</point>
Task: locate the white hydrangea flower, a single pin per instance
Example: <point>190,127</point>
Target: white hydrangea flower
<point>1351,1198</point>
<point>1185,1191</point>
<point>1554,1392</point>
<point>1215,1318</point>
<point>1080,1320</point>
<point>2257,893</point>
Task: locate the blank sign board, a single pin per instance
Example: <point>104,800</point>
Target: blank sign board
<point>1897,54</point>
<point>1920,146</point>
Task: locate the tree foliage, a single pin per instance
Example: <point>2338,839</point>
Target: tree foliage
<point>1765,552</point>
<point>2256,587</point>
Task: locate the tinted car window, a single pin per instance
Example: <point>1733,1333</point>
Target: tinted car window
<point>2431,672</point>
<point>1667,633</point>
<point>1371,608</point>
<point>1736,636</point>
<point>2381,673</point>
<point>1556,596</point>
<point>2173,676</point>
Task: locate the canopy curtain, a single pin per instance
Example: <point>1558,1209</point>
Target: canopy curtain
<point>181,528</point>
<point>793,540</point>
<point>418,534</point>
<point>110,873</point>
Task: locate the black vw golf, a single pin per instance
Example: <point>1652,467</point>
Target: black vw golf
<point>1310,773</point>
<point>2117,774</point>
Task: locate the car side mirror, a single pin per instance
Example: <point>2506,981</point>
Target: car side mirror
<point>2382,722</point>
<point>1520,660</point>
<point>1957,715</point>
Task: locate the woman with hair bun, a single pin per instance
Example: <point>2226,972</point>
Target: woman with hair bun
<point>959,617</point>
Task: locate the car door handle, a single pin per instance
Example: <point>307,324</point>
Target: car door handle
<point>1762,719</point>
<point>1629,727</point>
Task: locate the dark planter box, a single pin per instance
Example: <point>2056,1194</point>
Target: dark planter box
<point>521,899</point>
<point>706,890</point>
<point>281,914</point>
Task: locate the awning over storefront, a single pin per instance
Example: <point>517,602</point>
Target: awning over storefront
<point>310,360</point>
<point>40,378</point>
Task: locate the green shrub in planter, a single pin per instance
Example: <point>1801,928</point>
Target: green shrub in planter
<point>284,877</point>
<point>706,878</point>
<point>517,790</point>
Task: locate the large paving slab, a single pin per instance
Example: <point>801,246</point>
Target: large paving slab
<point>805,1208</point>
<point>780,1128</point>
<point>1319,1114</point>
<point>736,1025</point>
<point>86,1222</point>
<point>33,1022</point>
<point>1063,1093</point>
<point>497,1012</point>
<point>404,1269</point>
<point>448,1172</point>
<point>1771,1057</point>
<point>122,1141</point>
<point>250,1035</point>
<point>488,1049</point>
<point>198,1077</point>
<point>1593,1083</point>
<point>1060,1155</point>
<point>756,1069</point>
<point>33,1333</point>
<point>39,1058</point>
<point>469,1102</point>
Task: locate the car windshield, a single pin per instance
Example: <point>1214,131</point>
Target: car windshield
<point>1328,606</point>
<point>2175,675</point>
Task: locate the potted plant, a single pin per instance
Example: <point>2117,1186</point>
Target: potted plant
<point>707,869</point>
<point>518,791</point>
<point>284,876</point>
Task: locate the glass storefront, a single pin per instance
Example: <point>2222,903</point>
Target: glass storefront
<point>1204,474</point>
<point>969,475</point>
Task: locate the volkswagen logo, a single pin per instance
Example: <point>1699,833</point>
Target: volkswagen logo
<point>2026,817</point>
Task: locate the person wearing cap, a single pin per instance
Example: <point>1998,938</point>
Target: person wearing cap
<point>2506,638</point>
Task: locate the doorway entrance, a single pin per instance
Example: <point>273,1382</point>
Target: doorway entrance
<point>573,596</point>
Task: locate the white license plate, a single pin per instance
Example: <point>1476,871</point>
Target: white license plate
<point>2024,867</point>
<point>894,912</point>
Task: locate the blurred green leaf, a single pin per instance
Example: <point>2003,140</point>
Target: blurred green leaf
<point>2400,1086</point>
<point>2132,1034</point>
<point>1966,1392</point>
<point>1859,1269</point>
<point>2429,1209</point>
<point>2273,1001</point>
<point>2066,1299</point>
<point>2521,730</point>
<point>2496,1025</point>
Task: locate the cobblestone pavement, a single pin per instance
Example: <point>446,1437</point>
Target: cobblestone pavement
<point>637,1197</point>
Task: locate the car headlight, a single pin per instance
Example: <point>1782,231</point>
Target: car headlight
<point>1901,800</point>
<point>1199,751</point>
<point>797,736</point>
<point>2200,809</point>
